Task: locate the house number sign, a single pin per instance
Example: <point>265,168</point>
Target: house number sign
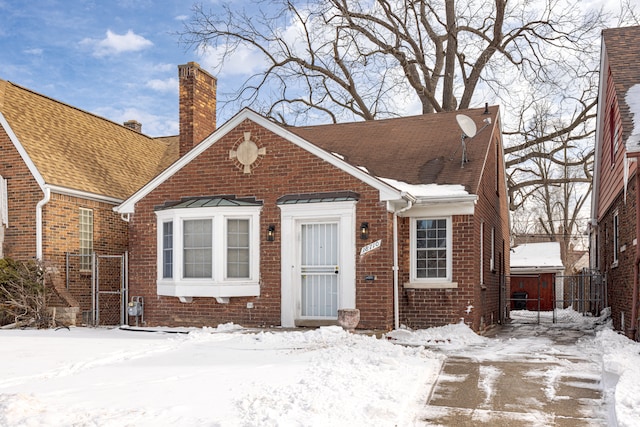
<point>370,247</point>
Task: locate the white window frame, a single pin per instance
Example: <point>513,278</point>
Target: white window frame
<point>85,244</point>
<point>482,253</point>
<point>219,285</point>
<point>616,238</point>
<point>4,211</point>
<point>4,203</point>
<point>433,282</point>
<point>492,261</point>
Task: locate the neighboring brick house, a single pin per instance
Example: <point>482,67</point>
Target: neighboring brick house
<point>62,171</point>
<point>261,224</point>
<point>615,225</point>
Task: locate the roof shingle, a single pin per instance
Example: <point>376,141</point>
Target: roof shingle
<point>78,150</point>
<point>423,149</point>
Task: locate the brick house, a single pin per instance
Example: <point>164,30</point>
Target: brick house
<point>261,224</point>
<point>615,225</point>
<point>62,171</point>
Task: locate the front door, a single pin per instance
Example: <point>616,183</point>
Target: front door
<point>319,270</point>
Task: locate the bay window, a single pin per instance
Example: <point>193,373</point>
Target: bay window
<point>209,251</point>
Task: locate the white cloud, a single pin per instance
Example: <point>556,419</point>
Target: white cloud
<point>181,17</point>
<point>152,124</point>
<point>167,85</point>
<point>244,61</point>
<point>114,44</point>
<point>35,51</point>
<point>166,67</point>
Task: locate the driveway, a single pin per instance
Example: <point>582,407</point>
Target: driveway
<point>524,375</point>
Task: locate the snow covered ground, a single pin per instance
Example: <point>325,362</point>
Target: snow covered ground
<point>229,376</point>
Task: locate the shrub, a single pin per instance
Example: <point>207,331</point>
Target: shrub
<point>23,299</point>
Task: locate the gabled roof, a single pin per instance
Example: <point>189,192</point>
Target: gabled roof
<point>424,149</point>
<point>72,149</point>
<point>416,150</point>
<point>622,47</point>
<point>387,192</point>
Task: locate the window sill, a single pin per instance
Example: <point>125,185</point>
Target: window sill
<point>431,285</point>
<point>212,290</point>
<point>614,264</point>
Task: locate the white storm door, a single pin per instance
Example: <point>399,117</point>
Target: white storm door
<point>319,270</point>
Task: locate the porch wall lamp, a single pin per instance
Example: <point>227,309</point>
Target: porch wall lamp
<point>271,233</point>
<point>364,230</point>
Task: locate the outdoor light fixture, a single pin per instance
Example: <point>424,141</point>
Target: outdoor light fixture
<point>271,233</point>
<point>364,230</point>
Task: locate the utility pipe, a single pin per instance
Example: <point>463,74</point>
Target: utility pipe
<point>396,293</point>
<point>39,206</point>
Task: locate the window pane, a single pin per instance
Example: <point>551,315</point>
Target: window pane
<point>167,249</point>
<point>86,238</point>
<point>198,249</point>
<point>238,254</point>
<point>431,248</point>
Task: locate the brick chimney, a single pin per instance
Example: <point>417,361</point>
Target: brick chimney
<point>197,105</point>
<point>133,125</point>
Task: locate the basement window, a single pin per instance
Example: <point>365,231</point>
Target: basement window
<point>209,248</point>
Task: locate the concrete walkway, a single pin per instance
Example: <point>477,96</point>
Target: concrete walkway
<point>551,385</point>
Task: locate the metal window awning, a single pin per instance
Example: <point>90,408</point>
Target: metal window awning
<point>337,196</point>
<point>209,202</point>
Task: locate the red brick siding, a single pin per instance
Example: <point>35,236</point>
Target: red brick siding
<point>24,194</point>
<point>619,279</point>
<point>62,234</point>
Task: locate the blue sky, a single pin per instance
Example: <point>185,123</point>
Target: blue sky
<point>117,59</point>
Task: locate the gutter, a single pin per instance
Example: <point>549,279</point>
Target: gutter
<point>39,233</point>
<point>463,198</point>
<point>396,293</point>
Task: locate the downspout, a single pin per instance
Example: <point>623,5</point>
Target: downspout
<point>396,293</point>
<point>636,265</point>
<point>41,203</point>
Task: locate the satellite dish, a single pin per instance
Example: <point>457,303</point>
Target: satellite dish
<point>467,125</point>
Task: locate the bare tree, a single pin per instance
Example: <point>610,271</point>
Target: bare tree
<point>552,189</point>
<point>338,60</point>
<point>23,298</point>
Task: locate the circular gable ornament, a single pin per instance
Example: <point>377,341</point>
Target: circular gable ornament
<point>247,153</point>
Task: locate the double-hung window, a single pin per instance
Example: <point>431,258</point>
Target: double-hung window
<point>431,241</point>
<point>197,248</point>
<point>209,251</point>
